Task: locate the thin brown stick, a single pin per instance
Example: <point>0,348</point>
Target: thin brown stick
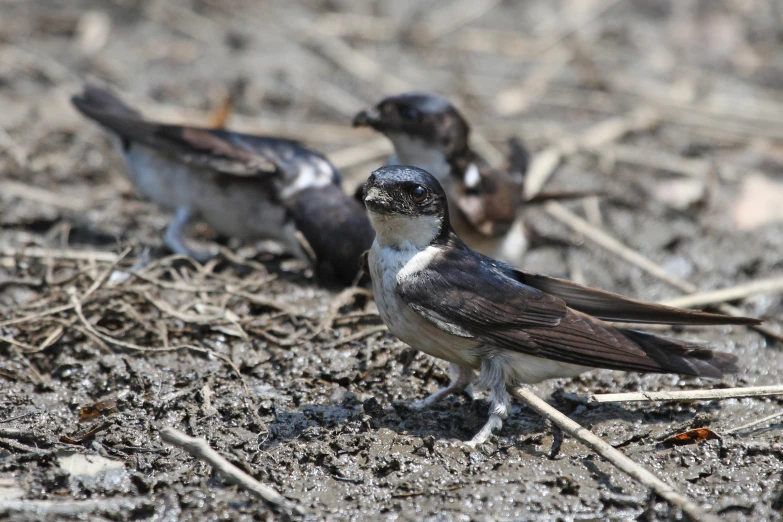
<point>768,286</point>
<point>689,395</point>
<point>77,306</point>
<point>613,455</point>
<point>34,317</point>
<point>199,449</point>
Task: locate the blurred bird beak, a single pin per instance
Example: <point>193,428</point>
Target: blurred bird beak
<point>368,118</point>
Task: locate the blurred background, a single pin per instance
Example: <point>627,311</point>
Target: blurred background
<point>673,107</point>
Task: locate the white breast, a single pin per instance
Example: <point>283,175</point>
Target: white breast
<point>388,266</point>
<point>417,153</point>
<point>236,208</point>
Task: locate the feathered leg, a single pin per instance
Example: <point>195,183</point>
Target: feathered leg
<point>493,378</point>
<point>461,377</point>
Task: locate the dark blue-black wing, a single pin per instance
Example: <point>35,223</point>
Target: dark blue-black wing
<point>470,295</point>
<point>216,149</point>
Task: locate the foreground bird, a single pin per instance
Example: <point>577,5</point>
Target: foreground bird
<point>249,187</point>
<point>428,132</point>
<point>514,327</point>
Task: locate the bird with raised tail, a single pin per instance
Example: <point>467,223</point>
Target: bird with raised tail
<point>244,186</point>
<point>513,327</point>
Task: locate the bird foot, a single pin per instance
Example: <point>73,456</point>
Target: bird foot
<point>495,422</point>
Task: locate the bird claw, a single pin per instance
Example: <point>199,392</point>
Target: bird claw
<point>495,422</point>
<point>419,405</point>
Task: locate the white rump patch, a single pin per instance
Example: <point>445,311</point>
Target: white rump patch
<point>312,174</point>
<point>472,176</point>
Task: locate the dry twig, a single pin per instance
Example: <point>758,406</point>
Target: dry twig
<point>613,455</point>
<point>202,451</point>
<point>755,423</point>
<point>60,253</point>
<point>613,245</point>
<point>689,395</point>
<point>772,285</point>
<point>602,133</point>
<point>68,508</point>
<point>445,20</point>
<point>358,335</point>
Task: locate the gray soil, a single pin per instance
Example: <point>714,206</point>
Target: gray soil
<point>240,358</point>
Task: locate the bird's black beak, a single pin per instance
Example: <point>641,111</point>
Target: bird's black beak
<point>376,200</point>
<point>368,118</point>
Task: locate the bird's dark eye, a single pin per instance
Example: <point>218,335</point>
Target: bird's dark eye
<point>418,193</point>
<point>410,113</point>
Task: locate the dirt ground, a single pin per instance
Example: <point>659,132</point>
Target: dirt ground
<point>297,384</point>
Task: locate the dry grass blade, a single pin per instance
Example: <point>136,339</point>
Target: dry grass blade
<point>755,423</point>
<point>61,199</point>
<point>689,395</point>
<point>613,455</point>
<point>366,152</point>
<point>344,298</point>
<point>608,242</point>
<point>613,245</point>
<point>355,62</point>
<point>60,253</point>
<point>313,132</point>
<point>17,152</point>
<point>202,451</point>
<point>68,509</point>
<point>602,133</point>
<point>358,335</point>
<point>445,20</point>
<point>77,306</point>
<point>769,286</point>
<point>99,281</point>
<point>370,71</point>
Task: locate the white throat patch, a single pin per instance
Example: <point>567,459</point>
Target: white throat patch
<point>416,152</point>
<point>394,230</point>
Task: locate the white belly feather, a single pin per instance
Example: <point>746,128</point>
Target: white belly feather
<point>237,208</point>
<point>386,264</point>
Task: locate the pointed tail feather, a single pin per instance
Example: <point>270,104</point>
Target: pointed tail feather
<point>96,100</point>
<point>676,356</point>
<point>614,307</point>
